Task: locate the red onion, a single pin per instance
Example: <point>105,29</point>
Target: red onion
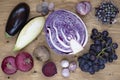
<point>83,7</point>
<point>61,27</point>
<point>8,65</point>
<point>24,61</point>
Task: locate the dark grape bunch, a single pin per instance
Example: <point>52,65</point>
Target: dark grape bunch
<point>106,12</point>
<point>100,52</point>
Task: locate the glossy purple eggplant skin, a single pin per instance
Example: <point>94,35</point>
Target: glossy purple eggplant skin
<point>17,19</point>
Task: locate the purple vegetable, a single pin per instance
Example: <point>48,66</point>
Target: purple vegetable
<point>83,7</point>
<point>8,65</point>
<point>61,26</point>
<point>49,69</point>
<point>24,61</point>
<point>17,19</point>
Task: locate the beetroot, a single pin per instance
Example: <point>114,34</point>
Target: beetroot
<point>49,69</point>
<point>8,65</point>
<point>24,61</point>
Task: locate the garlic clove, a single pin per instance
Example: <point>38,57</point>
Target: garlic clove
<point>73,66</point>
<point>64,63</point>
<point>65,72</point>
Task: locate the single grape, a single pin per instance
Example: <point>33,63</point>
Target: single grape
<point>105,33</point>
<point>102,66</point>
<point>110,60</point>
<point>92,52</point>
<point>101,61</point>
<point>86,67</point>
<point>93,47</point>
<point>96,61</point>
<point>99,35</point>
<point>94,31</point>
<point>106,54</point>
<point>98,49</point>
<point>96,68</point>
<point>103,44</point>
<point>90,63</point>
<point>108,41</point>
<point>98,42</point>
<point>80,59</point>
<point>92,57</point>
<point>114,56</point>
<point>93,37</point>
<point>104,60</point>
<point>83,62</point>
<point>88,55</point>
<point>85,56</point>
<point>91,70</point>
<point>114,45</point>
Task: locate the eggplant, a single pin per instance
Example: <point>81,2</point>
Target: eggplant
<point>17,19</point>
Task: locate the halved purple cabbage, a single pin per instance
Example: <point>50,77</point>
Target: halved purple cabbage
<point>61,26</point>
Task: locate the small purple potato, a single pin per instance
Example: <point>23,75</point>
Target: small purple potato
<point>41,53</point>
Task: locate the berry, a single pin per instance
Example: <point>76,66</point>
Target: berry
<point>102,66</point>
<point>94,31</point>
<point>92,57</point>
<point>91,70</point>
<point>106,12</point>
<point>108,41</point>
<point>114,56</point>
<point>100,52</point>
<point>115,45</point>
<point>105,33</point>
<point>97,42</point>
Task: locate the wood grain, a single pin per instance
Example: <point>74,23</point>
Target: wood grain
<point>111,72</point>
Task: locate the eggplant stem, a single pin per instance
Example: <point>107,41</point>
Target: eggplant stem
<point>7,35</point>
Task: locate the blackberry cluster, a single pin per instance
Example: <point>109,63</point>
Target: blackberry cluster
<point>100,52</point>
<point>106,12</point>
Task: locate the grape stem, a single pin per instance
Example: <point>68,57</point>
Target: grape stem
<point>103,51</point>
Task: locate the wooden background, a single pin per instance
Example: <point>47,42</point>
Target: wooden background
<point>111,71</point>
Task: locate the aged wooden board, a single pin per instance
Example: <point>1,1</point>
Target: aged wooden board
<point>111,72</point>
